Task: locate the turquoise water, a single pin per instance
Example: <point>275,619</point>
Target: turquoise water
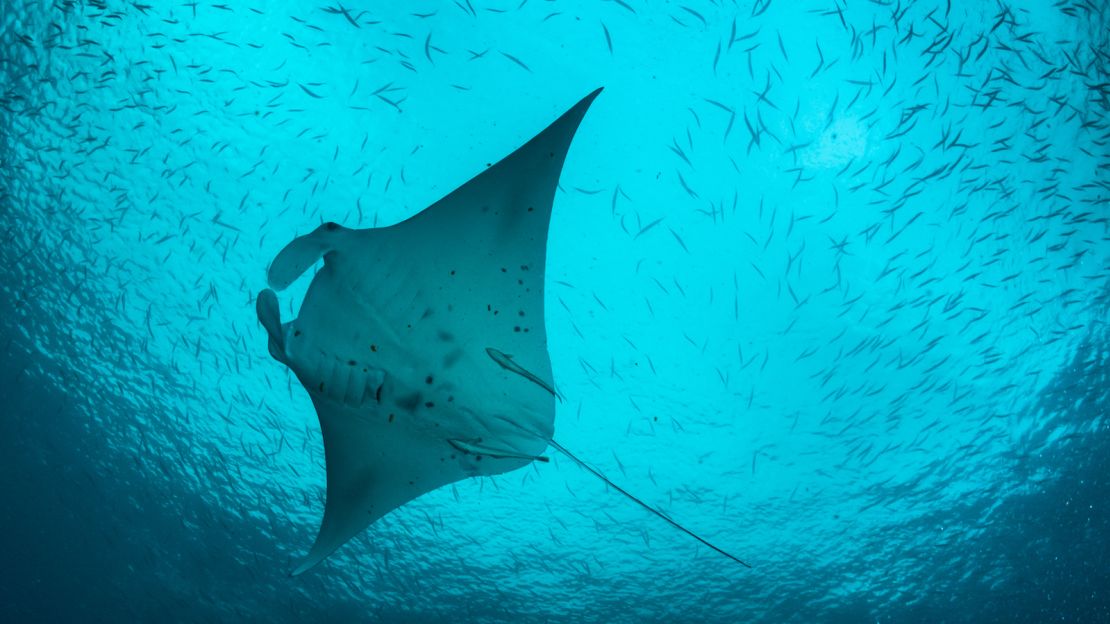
<point>826,283</point>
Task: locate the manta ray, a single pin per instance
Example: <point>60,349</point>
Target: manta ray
<point>422,344</point>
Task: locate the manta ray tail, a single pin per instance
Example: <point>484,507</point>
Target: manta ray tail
<point>641,503</point>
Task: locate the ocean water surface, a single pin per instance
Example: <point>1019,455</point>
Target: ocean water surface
<point>826,283</point>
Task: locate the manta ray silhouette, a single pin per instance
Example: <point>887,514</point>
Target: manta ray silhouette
<point>422,344</point>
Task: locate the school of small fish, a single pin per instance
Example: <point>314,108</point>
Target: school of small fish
<point>844,245</point>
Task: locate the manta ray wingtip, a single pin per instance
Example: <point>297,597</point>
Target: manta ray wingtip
<point>305,565</point>
<point>590,97</point>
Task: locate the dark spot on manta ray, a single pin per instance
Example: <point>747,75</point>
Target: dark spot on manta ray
<point>430,404</point>
<point>452,358</point>
<point>391,418</point>
<point>410,402</point>
<point>374,348</point>
<point>296,332</point>
<point>351,362</point>
<point>428,380</point>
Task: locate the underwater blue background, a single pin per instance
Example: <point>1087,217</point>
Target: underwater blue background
<point>827,283</point>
